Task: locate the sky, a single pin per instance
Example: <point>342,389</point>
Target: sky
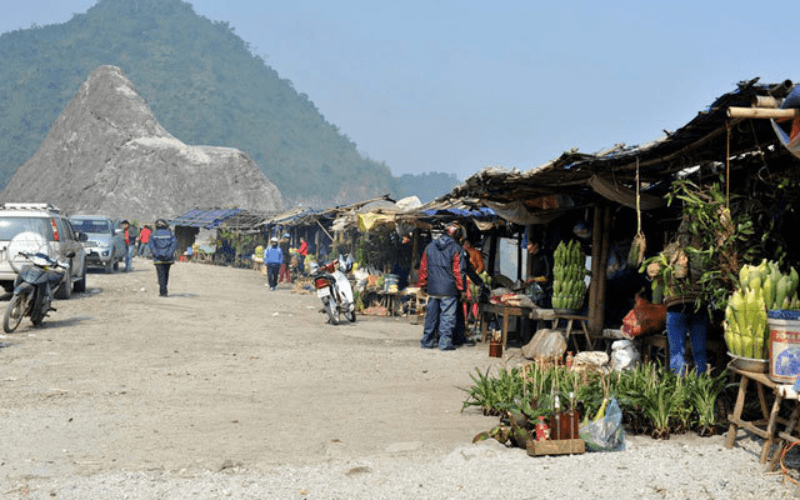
<point>456,86</point>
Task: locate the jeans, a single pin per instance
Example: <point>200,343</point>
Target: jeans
<point>680,321</point>
<point>440,323</point>
<point>128,256</point>
<point>272,274</point>
<point>162,272</point>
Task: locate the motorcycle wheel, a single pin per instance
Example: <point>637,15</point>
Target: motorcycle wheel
<point>351,316</point>
<point>14,313</point>
<point>332,317</point>
<point>39,310</point>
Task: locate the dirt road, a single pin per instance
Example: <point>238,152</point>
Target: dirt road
<point>222,372</point>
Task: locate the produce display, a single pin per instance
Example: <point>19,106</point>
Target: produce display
<point>761,288</point>
<point>569,271</point>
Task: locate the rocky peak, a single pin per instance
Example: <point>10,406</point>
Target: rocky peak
<point>107,154</point>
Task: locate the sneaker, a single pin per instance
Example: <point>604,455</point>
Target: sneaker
<point>469,343</point>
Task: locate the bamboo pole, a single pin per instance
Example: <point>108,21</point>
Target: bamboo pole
<point>739,112</point>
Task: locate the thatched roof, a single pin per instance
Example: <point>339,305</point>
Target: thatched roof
<point>705,142</point>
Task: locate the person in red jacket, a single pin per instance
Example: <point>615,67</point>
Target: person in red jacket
<point>442,276</point>
<point>143,242</point>
<point>302,252</point>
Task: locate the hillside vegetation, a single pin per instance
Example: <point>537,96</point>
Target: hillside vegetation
<point>204,85</point>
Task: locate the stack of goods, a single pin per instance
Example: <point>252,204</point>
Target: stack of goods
<point>569,272</point>
<point>761,288</point>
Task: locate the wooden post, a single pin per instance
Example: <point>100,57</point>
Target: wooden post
<point>492,253</point>
<point>601,245</point>
<point>605,249</point>
<point>596,267</point>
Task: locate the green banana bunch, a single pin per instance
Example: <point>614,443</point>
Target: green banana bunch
<point>569,271</point>
<point>761,288</point>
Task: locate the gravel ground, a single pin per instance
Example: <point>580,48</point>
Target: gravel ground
<point>228,390</point>
<point>681,468</point>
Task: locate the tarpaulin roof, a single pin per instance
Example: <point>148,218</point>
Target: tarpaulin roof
<point>209,218</point>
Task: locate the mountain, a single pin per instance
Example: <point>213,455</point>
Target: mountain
<point>202,83</point>
<point>107,154</point>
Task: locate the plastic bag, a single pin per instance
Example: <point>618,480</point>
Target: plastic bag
<point>624,355</point>
<point>544,344</point>
<point>644,319</point>
<point>607,433</point>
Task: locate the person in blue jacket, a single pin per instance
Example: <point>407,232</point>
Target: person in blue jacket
<point>163,245</point>
<point>442,272</point>
<point>273,258</point>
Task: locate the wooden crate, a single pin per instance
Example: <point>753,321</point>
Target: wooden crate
<point>556,447</point>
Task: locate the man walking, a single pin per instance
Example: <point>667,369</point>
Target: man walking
<point>163,245</point>
<point>273,258</point>
<point>441,276</point>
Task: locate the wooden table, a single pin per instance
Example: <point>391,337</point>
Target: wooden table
<point>791,432</point>
<point>506,312</point>
<point>765,427</point>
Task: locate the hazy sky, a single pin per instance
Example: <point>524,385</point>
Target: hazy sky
<point>456,86</point>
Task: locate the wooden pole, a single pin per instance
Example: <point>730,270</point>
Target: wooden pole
<point>601,285</point>
<point>601,244</point>
<point>593,284</point>
<point>739,112</point>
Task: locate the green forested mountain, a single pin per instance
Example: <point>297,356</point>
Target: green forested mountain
<point>204,86</point>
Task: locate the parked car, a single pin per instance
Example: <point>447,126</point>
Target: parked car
<point>40,227</point>
<point>105,246</point>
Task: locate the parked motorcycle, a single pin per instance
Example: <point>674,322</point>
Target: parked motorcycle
<point>38,276</point>
<point>335,291</point>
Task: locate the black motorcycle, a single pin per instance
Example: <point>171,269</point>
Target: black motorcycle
<point>36,280</point>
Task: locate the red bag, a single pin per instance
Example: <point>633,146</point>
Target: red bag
<point>644,319</point>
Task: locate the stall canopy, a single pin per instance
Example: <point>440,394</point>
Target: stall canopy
<point>714,140</point>
<point>208,218</point>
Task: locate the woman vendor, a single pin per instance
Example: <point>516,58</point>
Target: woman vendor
<point>679,275</point>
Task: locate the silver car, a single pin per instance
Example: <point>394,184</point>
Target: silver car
<point>105,247</point>
<point>40,227</point>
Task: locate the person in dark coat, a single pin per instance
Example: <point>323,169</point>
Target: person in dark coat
<point>442,276</point>
<point>163,245</point>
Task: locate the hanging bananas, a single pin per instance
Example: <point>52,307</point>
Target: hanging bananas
<point>569,271</point>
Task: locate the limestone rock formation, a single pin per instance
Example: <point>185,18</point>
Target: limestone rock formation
<point>107,154</point>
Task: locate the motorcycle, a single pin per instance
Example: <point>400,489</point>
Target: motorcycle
<point>33,288</point>
<point>335,291</point>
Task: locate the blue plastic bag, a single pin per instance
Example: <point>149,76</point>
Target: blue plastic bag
<point>606,434</point>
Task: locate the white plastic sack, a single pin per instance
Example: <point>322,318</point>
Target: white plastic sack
<point>624,355</point>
